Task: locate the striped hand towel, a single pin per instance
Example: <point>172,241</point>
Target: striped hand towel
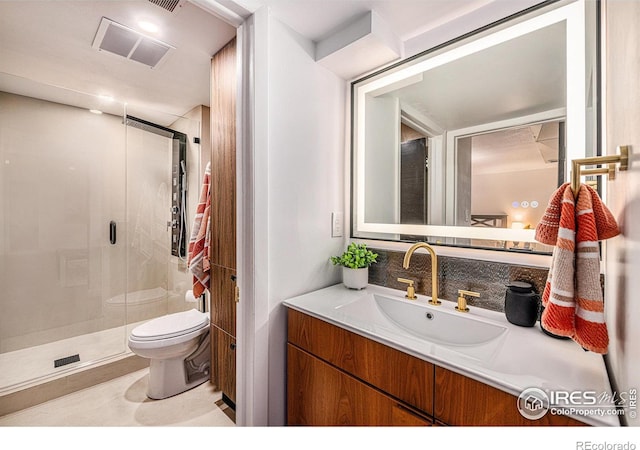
<point>198,260</point>
<point>573,300</point>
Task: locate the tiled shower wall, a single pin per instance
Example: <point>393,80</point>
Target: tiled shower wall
<point>487,278</point>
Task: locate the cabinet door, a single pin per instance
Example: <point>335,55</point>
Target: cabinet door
<point>462,401</point>
<point>223,352</point>
<point>223,328</point>
<point>319,394</point>
<point>403,376</point>
<point>223,157</point>
<point>223,299</point>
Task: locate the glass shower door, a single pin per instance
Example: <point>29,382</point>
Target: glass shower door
<point>148,221</point>
<point>62,182</point>
<point>159,203</point>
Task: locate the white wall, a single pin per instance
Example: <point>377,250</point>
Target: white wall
<point>300,145</point>
<point>622,283</point>
<point>299,180</point>
<point>478,15</point>
<point>489,196</point>
<point>381,166</point>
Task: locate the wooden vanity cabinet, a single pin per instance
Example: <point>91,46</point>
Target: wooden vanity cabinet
<point>336,377</point>
<point>460,400</point>
<point>320,394</point>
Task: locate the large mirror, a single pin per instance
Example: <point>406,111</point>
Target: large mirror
<point>464,144</point>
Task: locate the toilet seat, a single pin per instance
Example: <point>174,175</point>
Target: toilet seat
<point>170,326</point>
<point>172,343</point>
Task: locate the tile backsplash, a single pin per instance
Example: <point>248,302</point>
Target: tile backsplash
<point>487,278</point>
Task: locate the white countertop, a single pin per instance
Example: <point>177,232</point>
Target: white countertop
<point>523,357</point>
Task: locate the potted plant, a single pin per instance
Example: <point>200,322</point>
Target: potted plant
<point>355,262</point>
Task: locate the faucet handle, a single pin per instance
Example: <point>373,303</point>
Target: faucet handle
<point>462,292</point>
<point>462,300</point>
<point>411,292</point>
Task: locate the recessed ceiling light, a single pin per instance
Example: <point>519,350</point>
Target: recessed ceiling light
<point>148,26</point>
<point>95,111</point>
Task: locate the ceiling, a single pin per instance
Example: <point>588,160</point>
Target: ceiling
<point>45,43</point>
<point>317,19</point>
<point>516,78</point>
<point>528,148</point>
<point>49,43</point>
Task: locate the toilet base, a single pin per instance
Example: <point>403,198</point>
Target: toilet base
<point>167,377</point>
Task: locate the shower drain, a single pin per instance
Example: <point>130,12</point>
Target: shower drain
<point>66,360</point>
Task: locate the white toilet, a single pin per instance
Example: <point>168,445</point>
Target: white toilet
<point>178,346</point>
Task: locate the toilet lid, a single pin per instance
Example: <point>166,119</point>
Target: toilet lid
<point>171,325</point>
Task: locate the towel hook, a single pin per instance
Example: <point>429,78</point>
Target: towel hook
<point>622,159</point>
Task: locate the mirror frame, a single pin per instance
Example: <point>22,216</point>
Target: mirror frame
<point>575,15</point>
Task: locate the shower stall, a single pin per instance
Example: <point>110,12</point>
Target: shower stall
<point>94,227</point>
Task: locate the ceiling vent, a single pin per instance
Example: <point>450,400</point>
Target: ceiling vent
<point>169,5</point>
<point>115,38</point>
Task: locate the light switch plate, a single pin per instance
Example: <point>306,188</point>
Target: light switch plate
<point>337,224</point>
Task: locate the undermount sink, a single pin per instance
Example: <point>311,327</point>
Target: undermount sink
<point>436,324</point>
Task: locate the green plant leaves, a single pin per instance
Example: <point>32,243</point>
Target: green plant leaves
<point>357,256</point>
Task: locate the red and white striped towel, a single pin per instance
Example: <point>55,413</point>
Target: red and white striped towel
<point>198,260</point>
<point>573,299</point>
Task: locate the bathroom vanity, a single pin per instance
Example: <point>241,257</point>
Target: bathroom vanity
<point>361,358</point>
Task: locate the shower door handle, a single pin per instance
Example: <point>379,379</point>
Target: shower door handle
<point>112,232</point>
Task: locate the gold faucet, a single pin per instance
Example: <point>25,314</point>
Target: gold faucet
<point>411,291</point>
<point>462,299</point>
<point>434,268</point>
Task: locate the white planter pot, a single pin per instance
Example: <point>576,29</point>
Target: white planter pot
<point>355,278</point>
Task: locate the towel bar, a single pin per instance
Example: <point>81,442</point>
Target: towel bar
<point>622,159</point>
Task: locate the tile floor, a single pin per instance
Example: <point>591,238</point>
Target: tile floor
<point>22,366</point>
<point>122,402</point>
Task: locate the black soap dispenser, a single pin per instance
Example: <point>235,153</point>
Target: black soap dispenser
<point>521,304</point>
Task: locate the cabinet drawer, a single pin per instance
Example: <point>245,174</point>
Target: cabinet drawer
<point>223,353</point>
<point>403,376</point>
<point>460,400</point>
<point>318,394</point>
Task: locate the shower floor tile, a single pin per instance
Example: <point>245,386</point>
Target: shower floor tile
<point>21,366</point>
